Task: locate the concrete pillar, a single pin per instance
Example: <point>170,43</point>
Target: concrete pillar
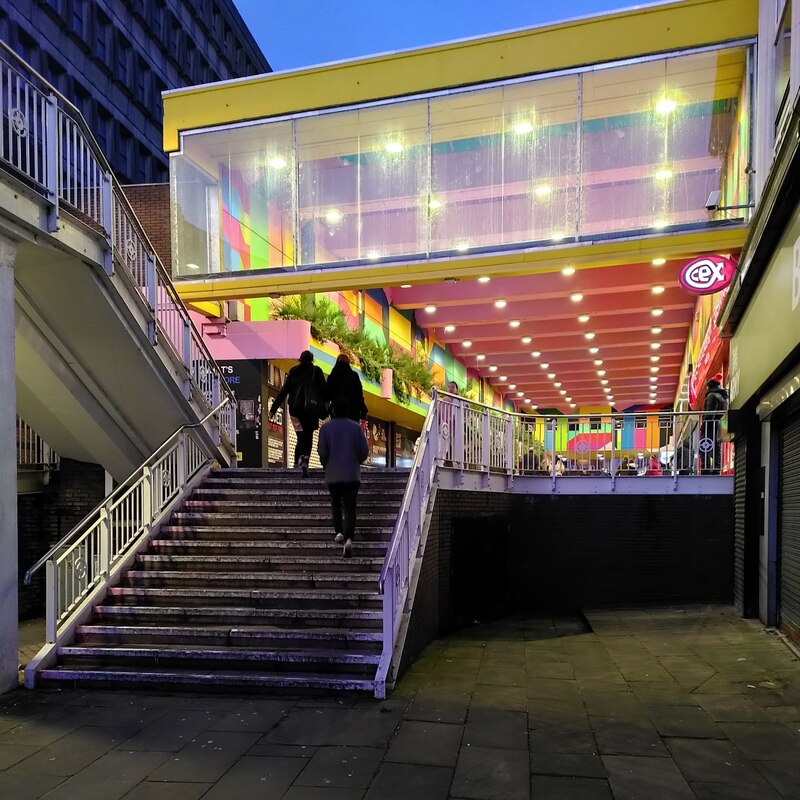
<point>9,567</point>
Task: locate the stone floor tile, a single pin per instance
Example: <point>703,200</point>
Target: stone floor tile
<point>505,676</point>
<point>173,731</point>
<point>510,698</point>
<point>783,775</point>
<point>490,727</point>
<point>629,737</point>
<point>433,743</point>
<point>645,778</point>
<point>547,787</point>
<point>712,761</point>
<point>149,790</point>
<point>763,740</point>
<point>256,778</point>
<point>553,688</point>
<point>727,791</point>
<point>410,782</point>
<point>49,726</point>
<point>662,693</point>
<point>559,741</point>
<point>320,793</point>
<point>11,754</point>
<point>431,705</point>
<point>684,721</point>
<point>207,758</point>
<point>110,777</point>
<point>336,726</point>
<point>342,767</point>
<point>267,748</point>
<point>557,714</point>
<point>536,668</point>
<point>485,773</point>
<point>623,705</point>
<point>253,715</point>
<point>570,765</point>
<point>27,787</point>
<point>732,708</point>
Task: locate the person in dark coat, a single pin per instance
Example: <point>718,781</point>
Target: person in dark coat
<point>344,382</point>
<point>342,449</point>
<point>305,388</point>
<point>714,406</point>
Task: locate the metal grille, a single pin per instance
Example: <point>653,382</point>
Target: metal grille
<point>789,529</point>
<point>739,522</point>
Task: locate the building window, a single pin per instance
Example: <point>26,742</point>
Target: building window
<point>157,21</point>
<point>55,5</point>
<point>141,81</point>
<point>77,17</point>
<point>122,61</point>
<point>783,42</point>
<point>101,38</point>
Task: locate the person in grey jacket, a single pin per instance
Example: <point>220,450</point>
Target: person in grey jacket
<point>342,448</point>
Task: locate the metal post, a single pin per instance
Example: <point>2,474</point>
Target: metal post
<point>553,454</point>
<point>105,539</point>
<point>510,445</point>
<point>614,464</point>
<point>486,441</point>
<point>147,497</point>
<point>51,600</point>
<point>180,457</point>
<point>674,452</point>
<point>457,434</point>
<point>52,156</point>
<point>107,216</point>
<point>187,357</point>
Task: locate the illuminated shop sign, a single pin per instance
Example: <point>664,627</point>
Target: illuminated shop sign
<point>707,274</point>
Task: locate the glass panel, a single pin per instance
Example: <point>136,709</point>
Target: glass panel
<point>783,45</point>
<point>363,183</point>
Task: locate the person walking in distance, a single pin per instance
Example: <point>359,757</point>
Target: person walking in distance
<point>344,382</point>
<point>342,449</point>
<point>305,388</point>
<point>714,406</point>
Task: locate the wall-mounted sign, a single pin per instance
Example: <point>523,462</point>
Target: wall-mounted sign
<point>707,274</point>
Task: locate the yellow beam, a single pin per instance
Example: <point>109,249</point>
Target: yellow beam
<point>240,285</point>
<point>610,37</point>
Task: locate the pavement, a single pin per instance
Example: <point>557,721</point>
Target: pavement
<point>650,703</point>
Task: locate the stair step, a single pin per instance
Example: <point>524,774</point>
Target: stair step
<point>235,491</point>
<point>276,562</point>
<point>224,635</point>
<point>308,580</point>
<point>182,656</point>
<point>288,547</point>
<point>367,473</point>
<point>280,519</point>
<point>381,534</point>
<point>272,598</point>
<point>273,505</point>
<point>241,616</point>
<point>218,678</point>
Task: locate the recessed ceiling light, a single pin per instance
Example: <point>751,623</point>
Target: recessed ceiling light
<point>434,203</point>
<point>609,397</point>
<point>504,378</point>
<point>493,368</point>
<point>512,386</point>
<point>520,394</point>
<point>463,247</point>
<point>598,362</point>
<point>333,215</point>
<point>655,345</point>
<point>526,340</point>
<point>572,405</point>
<point>653,394</point>
<point>393,147</point>
<point>653,379</point>
<point>484,279</point>
<point>467,343</point>
<point>606,389</point>
<point>659,262</point>
<point>594,350</point>
<point>663,174</point>
<point>514,323</point>
<point>449,328</point>
<point>551,375</point>
<point>276,162</point>
<point>660,223</point>
<point>562,391</point>
<point>558,236</point>
<point>655,358</point>
<point>534,407</point>
<point>536,353</point>
<point>666,106</point>
<point>373,255</point>
<point>657,312</point>
<point>500,303</point>
<point>405,285</point>
<point>522,127</point>
<point>481,357</point>
<point>430,309</point>
<point>542,191</point>
<point>654,369</point>
<point>655,331</point>
<point>589,335</point>
<point>558,384</point>
<point>544,365</point>
<point>601,372</point>
<point>583,318</point>
<point>576,297</point>
<point>568,271</point>
<point>652,402</point>
<point>568,398</point>
<point>604,381</point>
<point>657,290</point>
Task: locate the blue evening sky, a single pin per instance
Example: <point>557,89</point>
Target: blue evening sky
<point>298,33</point>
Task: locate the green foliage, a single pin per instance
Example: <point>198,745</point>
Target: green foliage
<point>410,375</point>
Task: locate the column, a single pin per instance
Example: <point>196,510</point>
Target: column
<point>9,622</point>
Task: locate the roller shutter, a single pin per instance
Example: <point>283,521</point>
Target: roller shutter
<point>740,486</point>
<point>789,529</point>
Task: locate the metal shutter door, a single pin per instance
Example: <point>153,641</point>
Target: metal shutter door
<point>789,530</point>
<point>740,474</point>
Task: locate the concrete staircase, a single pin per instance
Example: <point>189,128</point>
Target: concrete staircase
<point>245,587</point>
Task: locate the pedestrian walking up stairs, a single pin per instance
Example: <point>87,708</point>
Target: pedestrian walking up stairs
<point>244,587</point>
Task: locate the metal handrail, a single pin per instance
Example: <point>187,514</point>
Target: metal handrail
<point>117,491</point>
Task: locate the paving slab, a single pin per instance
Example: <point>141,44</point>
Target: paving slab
<point>341,767</point>
<point>493,727</point>
<point>571,765</point>
<point>631,737</point>
<point>27,787</point>
<point>322,793</point>
<point>253,715</point>
<point>646,778</point>
<point>768,741</point>
<point>256,778</point>
<point>485,773</point>
<point>410,781</point>
<point>432,743</point>
<point>336,726</point>
<point>150,790</point>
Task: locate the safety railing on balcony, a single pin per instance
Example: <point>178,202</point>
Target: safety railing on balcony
<point>46,143</point>
<point>84,561</point>
<point>32,451</point>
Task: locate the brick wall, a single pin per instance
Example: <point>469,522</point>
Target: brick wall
<point>150,201</point>
<point>44,518</point>
<point>581,551</point>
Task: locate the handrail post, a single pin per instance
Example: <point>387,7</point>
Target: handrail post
<point>51,600</point>
<point>674,452</point>
<point>552,424</point>
<point>108,221</point>
<point>186,354</point>
<point>457,436</point>
<point>147,497</point>
<point>104,543</point>
<point>52,156</point>
<point>181,459</point>
<point>509,444</point>
<point>486,442</point>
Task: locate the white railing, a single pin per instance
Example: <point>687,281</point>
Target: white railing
<point>84,560</point>
<point>33,452</point>
<point>395,578</point>
<point>45,142</point>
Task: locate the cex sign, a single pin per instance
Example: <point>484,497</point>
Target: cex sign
<point>707,274</point>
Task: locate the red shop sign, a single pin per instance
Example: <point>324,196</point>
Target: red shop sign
<point>707,274</point>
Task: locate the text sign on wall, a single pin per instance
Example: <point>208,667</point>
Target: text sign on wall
<point>707,274</point>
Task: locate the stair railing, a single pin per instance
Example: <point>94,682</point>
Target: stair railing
<point>83,563</point>
<point>397,572</point>
<point>33,452</point>
<point>46,142</point>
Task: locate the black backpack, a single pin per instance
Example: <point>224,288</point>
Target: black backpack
<point>309,399</point>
